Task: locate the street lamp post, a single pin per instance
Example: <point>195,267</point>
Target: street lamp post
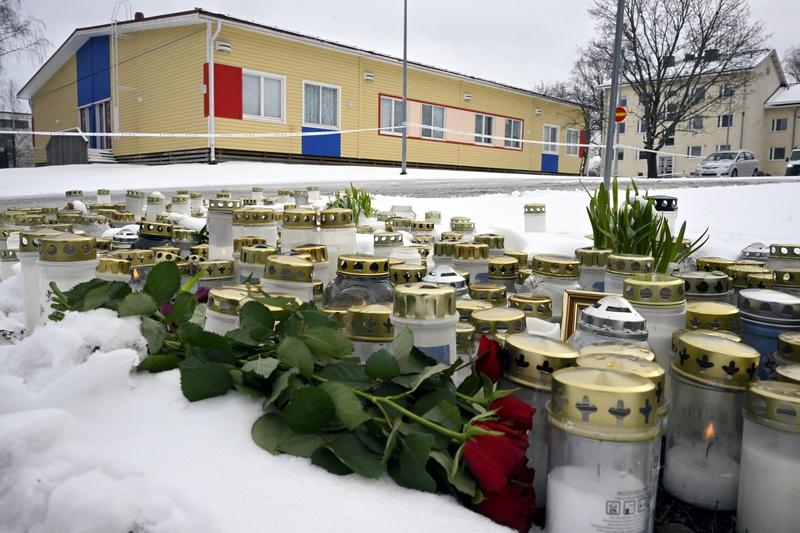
<point>405,89</point>
<point>612,102</point>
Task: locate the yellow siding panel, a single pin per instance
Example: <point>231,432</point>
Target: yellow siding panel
<point>55,107</point>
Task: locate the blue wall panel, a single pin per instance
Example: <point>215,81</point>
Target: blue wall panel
<point>94,75</point>
<point>325,145</point>
<point>550,163</point>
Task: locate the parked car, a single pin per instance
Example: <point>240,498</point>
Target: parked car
<point>793,164</point>
<point>731,163</point>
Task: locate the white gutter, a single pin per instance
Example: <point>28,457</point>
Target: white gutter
<point>211,43</point>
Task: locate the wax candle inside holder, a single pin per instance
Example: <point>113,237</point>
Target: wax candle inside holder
<point>429,311</point>
<point>552,275</point>
<point>360,280</point>
<point>255,222</point>
<point>535,218</point>
<point>28,254</point>
<point>65,260</point>
<point>222,312</point>
<point>593,268</point>
<point>603,453</point>
<point>709,375</point>
<point>299,227</point>
<point>337,231</point>
<point>220,228</point>
<point>533,359</point>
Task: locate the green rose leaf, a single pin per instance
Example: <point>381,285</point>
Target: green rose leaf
<point>459,478</point>
<point>409,469</point>
<point>163,282</point>
<point>137,303</point>
<point>212,347</point>
<point>326,459</point>
<point>273,434</point>
<point>96,297</point>
<point>257,319</point>
<point>348,408</point>
<point>324,341</point>
<point>415,362</point>
<point>241,336</point>
<point>355,455</point>
<point>201,380</point>
<point>119,290</point>
<point>158,363</point>
<point>382,365</point>
<point>279,386</point>
<point>294,353</point>
<point>154,332</point>
<point>413,382</point>
<point>263,367</point>
<point>182,308</point>
<point>309,410</point>
<point>349,372</point>
<point>402,344</point>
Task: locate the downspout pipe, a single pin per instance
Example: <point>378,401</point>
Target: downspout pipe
<point>211,41</point>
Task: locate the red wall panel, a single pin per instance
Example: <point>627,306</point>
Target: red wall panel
<point>227,91</point>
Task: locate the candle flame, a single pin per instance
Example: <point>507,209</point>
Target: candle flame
<point>135,274</point>
<point>708,434</point>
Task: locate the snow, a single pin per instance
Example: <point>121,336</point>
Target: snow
<point>784,96</point>
<point>86,445</point>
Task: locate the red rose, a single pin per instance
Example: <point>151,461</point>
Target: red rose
<point>488,360</point>
<point>493,458</point>
<point>201,294</point>
<point>514,411</point>
<point>514,506</point>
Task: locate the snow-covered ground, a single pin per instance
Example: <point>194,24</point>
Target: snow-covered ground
<point>87,446</point>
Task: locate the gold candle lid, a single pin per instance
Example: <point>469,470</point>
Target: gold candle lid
<point>311,188</point>
<point>747,262</point>
<point>182,192</point>
<point>136,257</point>
<point>630,364</point>
<point>289,268</point>
<point>155,199</point>
<point>383,216</point>
<point>532,304</point>
<point>712,315</point>
<point>387,238</point>
<point>470,251</point>
<point>788,373</point>
<point>629,264</point>
<point>403,273</point>
<point>523,274</point>
<point>364,229</point>
<point>492,293</point>
<point>451,236</point>
<point>423,238</point>
<point>166,253</point>
<point>256,188</point>
<point>318,252</point>
<point>492,240</point>
<point>398,222</point>
<point>462,226</point>
<point>422,225</point>
<point>654,290</point>
<point>784,251</point>
<point>424,301</point>
<point>123,216</point>
<point>257,254</point>
<point>184,235</point>
<point>534,208</point>
<point>217,269</point>
<point>253,216</point>
<point>318,289</point>
<point>337,315</point>
<point>362,265</point>
<point>369,323</point>
<point>465,338</point>
<point>29,219</point>
<point>134,194</point>
<point>521,257</point>
<point>789,345</point>
<point>705,283</point>
<point>604,404</point>
<point>224,193</point>
<point>593,257</point>
<point>433,216</point>
<point>227,300</point>
<point>775,404</point>
<point>618,348</point>
<point>200,250</point>
<point>8,256</point>
<point>770,305</point>
<point>74,193</point>
<point>336,217</point>
<point>5,231</point>
<point>503,267</point>
<point>249,202</point>
<point>738,274</point>
<point>715,361</point>
<point>786,277</point>
<point>67,247</point>
<point>223,204</point>
<point>114,265</point>
<point>465,308</point>
<point>195,195</point>
<point>534,358</point>
<point>103,191</point>
<point>759,281</point>
<point>559,266</point>
<point>155,229</point>
<point>444,249</point>
<point>710,264</point>
<point>498,320</point>
<point>180,199</point>
<point>284,192</point>
<point>30,240</point>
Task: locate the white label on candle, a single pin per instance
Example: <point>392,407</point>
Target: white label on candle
<point>578,500</point>
<point>702,476</point>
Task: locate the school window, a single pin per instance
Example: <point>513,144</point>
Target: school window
<point>320,105</point>
<point>777,153</point>
<point>573,137</point>
<point>513,133</point>
<point>262,95</point>
<point>698,94</point>
<point>620,127</point>
<point>723,148</point>
<point>391,115</point>
<point>641,154</point>
<point>694,151</point>
<point>780,124</point>
<point>726,90</point>
<point>623,101</point>
<point>696,123</point>
<point>641,126</point>
<point>620,154</point>
<point>551,139</point>
<point>433,117</point>
<point>483,129</point>
<point>671,112</point>
<point>725,121</point>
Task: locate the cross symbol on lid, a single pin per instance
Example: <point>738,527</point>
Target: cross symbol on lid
<point>751,371</point>
<point>369,323</point>
<point>647,409</point>
<point>559,399</point>
<point>695,322</point>
<point>620,412</point>
<point>521,362</point>
<point>585,408</point>
<point>731,369</point>
<point>704,363</point>
<point>545,367</point>
<point>387,324</point>
<point>684,355</point>
<point>659,391</point>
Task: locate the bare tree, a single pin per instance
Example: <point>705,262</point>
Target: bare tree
<point>21,37</point>
<point>676,56</point>
<point>791,63</point>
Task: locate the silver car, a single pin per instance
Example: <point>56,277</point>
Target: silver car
<point>731,163</point>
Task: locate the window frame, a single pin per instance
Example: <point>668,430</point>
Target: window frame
<point>723,148</point>
<point>485,139</point>
<point>689,150</point>
<point>428,127</point>
<point>640,153</point>
<point>393,127</point>
<point>773,123</point>
<point>720,121</point>
<point>261,117</point>
<point>641,126</point>
<point>691,126</point>
<point>512,143</point>
<point>338,89</point>
<point>772,153</point>
<point>548,142</point>
<point>568,149</point>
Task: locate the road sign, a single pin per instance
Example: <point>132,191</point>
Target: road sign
<point>620,114</point>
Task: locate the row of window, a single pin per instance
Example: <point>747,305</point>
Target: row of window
<point>726,90</point>
<point>6,123</point>
<point>264,98</point>
<point>777,153</point>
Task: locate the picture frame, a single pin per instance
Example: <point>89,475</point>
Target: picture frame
<point>574,302</point>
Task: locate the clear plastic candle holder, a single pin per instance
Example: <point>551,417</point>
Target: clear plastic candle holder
<point>337,231</point>
<point>621,266</point>
<point>255,222</point>
<point>593,268</point>
<point>552,275</point>
<point>429,311</point>
<point>299,227</point>
<point>535,218</point>
<point>103,196</point>
<point>473,258</point>
<point>496,243</point>
<point>220,228</point>
<point>180,205</point>
<point>782,256</point>
<point>612,319</point>
<point>155,206</point>
<point>503,270</point>
<point>360,280</point>
<point>65,260</point>
<point>786,280</point>
<point>28,255</point>
<point>8,258</point>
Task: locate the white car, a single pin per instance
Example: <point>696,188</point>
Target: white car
<point>731,163</point>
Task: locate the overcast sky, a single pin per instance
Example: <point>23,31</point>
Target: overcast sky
<point>519,42</point>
